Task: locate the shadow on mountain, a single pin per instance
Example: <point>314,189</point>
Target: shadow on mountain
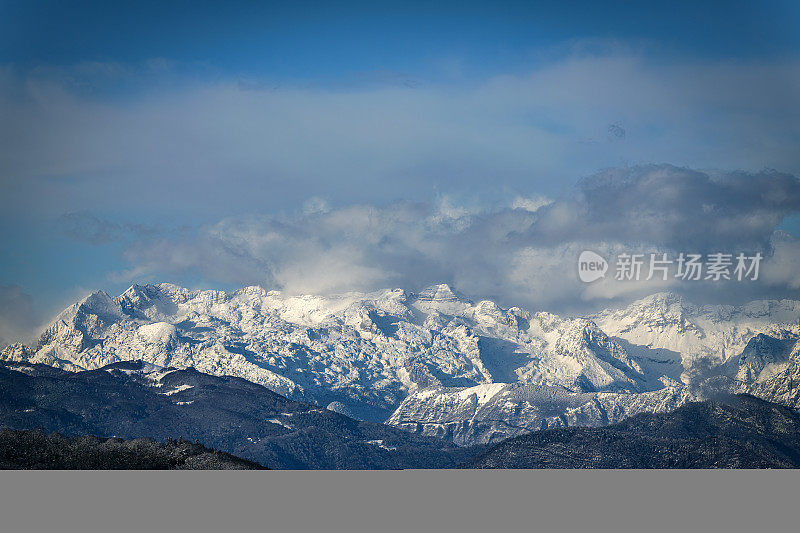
<point>501,358</point>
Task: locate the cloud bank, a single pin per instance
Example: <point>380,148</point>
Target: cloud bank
<point>377,181</point>
<point>145,141</point>
<point>521,254</point>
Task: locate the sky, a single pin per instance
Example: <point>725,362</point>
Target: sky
<point>323,148</point>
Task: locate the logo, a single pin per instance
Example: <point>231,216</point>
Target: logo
<point>591,266</point>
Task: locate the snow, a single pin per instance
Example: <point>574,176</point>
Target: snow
<point>279,422</point>
<point>24,369</point>
<point>701,334</point>
<point>434,358</point>
<point>158,333</point>
<point>178,389</point>
<point>379,443</point>
<point>483,393</point>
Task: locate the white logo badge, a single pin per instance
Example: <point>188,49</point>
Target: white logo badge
<point>591,266</point>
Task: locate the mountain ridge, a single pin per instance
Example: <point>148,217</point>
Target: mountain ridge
<point>732,432</point>
<point>36,450</point>
<point>416,359</point>
<point>134,399</point>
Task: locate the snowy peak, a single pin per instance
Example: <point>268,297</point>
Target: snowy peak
<point>441,293</point>
<point>81,323</point>
<point>662,300</point>
<point>763,350</point>
<point>148,301</point>
<point>97,303</point>
<point>367,353</point>
<point>780,386</point>
<point>658,311</point>
<point>703,335</point>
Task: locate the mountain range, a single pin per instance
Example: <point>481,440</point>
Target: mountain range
<point>435,363</point>
<point>736,432</point>
<point>133,399</point>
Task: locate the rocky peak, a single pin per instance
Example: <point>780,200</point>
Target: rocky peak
<point>441,293</point>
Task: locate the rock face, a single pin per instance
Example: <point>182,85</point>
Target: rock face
<point>434,362</point>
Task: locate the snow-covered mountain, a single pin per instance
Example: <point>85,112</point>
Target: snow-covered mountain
<point>432,362</point>
<point>493,412</point>
<point>366,351</point>
<point>664,327</point>
<point>781,383</point>
<point>683,351</point>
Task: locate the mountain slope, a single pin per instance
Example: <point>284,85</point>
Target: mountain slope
<point>742,432</point>
<point>434,362</point>
<point>664,327</point>
<point>133,399</point>
<point>490,413</point>
<point>35,450</point>
<point>782,384</point>
<point>365,351</point>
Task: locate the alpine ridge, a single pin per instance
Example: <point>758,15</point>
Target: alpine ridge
<point>435,362</point>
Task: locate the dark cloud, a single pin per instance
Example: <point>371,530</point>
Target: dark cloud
<point>616,132</point>
<point>673,207</point>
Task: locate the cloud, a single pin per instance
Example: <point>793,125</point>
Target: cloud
<point>328,187</point>
<point>191,144</point>
<point>510,253</point>
<point>17,319</point>
<point>782,269</point>
<point>673,207</point>
<point>86,227</point>
<point>530,203</point>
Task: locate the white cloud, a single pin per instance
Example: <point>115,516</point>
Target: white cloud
<point>530,203</point>
<point>314,205</point>
<point>782,268</point>
<point>517,256</point>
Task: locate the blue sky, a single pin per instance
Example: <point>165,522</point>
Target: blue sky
<point>165,141</point>
<point>328,40</point>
